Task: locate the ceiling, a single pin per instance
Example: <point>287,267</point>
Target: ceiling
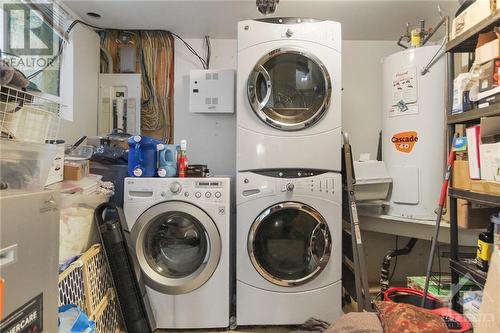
<point>361,20</point>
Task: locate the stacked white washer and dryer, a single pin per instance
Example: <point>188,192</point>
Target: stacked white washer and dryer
<point>289,223</point>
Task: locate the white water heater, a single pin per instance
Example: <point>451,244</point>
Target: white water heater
<point>413,131</point>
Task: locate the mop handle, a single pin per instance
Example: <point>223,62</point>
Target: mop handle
<point>444,187</point>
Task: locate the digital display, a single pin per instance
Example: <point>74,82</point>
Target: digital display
<point>206,184</point>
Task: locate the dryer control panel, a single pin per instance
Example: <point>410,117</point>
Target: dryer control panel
<point>290,182</point>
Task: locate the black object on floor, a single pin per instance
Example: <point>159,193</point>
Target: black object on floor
<point>116,251</point>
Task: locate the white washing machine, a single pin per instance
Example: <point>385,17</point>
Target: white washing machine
<point>289,94</point>
<point>180,231</point>
<point>288,247</point>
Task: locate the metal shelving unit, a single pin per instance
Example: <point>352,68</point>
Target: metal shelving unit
<point>465,267</point>
<point>473,115</point>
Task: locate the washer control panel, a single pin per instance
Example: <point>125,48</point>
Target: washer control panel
<point>189,189</point>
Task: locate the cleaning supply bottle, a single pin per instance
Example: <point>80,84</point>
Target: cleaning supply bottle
<point>485,248</point>
<point>183,161</point>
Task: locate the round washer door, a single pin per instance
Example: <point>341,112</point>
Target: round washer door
<point>178,246</point>
<point>289,89</point>
<point>289,244</point>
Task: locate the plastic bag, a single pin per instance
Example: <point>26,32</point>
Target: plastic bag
<point>77,231</point>
<point>73,320</point>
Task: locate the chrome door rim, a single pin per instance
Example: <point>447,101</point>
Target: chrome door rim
<point>251,244</point>
<point>175,286</point>
<point>258,106</point>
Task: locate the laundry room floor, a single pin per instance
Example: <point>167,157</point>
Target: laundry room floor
<point>252,329</point>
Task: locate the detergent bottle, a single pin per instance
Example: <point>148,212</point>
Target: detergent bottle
<point>142,156</point>
<point>183,161</point>
<point>168,156</point>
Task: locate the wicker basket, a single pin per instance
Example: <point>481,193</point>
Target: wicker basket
<point>87,283</point>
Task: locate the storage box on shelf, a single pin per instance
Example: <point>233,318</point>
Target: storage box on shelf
<point>471,16</point>
<point>87,283</point>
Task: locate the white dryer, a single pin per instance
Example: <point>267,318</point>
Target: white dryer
<point>288,247</point>
<point>289,94</point>
<point>180,231</point>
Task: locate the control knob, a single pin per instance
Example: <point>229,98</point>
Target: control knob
<point>290,187</point>
<point>289,32</point>
<point>175,188</point>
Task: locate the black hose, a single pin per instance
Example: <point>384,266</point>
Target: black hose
<point>386,263</point>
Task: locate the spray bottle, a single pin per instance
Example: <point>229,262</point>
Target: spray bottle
<point>183,161</point>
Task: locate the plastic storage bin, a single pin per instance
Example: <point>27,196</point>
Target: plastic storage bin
<point>372,180</point>
<point>25,165</point>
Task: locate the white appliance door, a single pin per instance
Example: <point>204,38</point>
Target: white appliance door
<point>178,247</point>
<point>289,244</point>
<point>289,89</point>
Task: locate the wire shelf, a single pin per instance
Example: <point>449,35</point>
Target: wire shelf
<point>28,117</point>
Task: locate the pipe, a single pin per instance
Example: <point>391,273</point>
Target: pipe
<point>436,28</point>
<point>386,264</point>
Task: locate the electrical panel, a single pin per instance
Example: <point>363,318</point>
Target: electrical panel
<point>119,103</point>
<point>212,91</point>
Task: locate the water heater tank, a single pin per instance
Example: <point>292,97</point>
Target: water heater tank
<point>413,131</point>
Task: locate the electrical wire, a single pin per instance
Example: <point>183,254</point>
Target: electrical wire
<point>192,50</point>
<point>61,47</point>
<point>209,51</point>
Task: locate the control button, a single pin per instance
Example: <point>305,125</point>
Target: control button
<point>197,194</point>
<point>280,174</point>
<point>163,194</point>
<point>290,187</point>
<point>246,181</point>
<point>175,188</point>
<point>186,194</point>
<point>208,194</point>
<point>289,32</point>
<point>218,194</point>
<point>299,173</point>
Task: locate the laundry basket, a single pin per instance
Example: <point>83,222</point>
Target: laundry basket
<point>28,116</point>
<point>87,283</point>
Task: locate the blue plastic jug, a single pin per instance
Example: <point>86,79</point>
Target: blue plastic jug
<point>142,160</point>
<point>167,160</point>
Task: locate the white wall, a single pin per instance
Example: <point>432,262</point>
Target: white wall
<point>362,94</point>
<point>79,84</point>
<point>211,137</point>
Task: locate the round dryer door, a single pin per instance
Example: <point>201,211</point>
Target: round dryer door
<point>178,247</point>
<point>289,244</point>
<point>289,89</point>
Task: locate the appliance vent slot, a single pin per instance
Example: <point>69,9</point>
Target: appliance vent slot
<point>215,100</point>
<point>215,76</point>
<point>208,100</point>
<point>208,76</point>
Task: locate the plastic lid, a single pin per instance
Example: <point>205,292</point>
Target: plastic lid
<point>137,138</point>
<point>183,144</point>
<point>495,218</point>
<point>160,146</point>
<point>162,172</point>
<point>137,172</point>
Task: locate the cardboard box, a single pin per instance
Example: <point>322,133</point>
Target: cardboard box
<point>488,46</point>
<point>76,170</point>
<point>482,186</point>
<point>488,75</point>
<point>471,215</point>
<point>474,14</point>
<point>489,318</point>
<point>461,177</point>
<point>489,149</point>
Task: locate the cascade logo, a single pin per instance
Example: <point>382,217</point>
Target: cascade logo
<point>405,141</point>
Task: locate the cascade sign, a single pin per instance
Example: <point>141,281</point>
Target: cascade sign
<point>405,141</point>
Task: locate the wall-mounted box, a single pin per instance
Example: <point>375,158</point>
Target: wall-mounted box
<point>119,103</point>
<point>212,91</point>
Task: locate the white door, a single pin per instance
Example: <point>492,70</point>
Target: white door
<point>178,246</point>
<point>289,244</point>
